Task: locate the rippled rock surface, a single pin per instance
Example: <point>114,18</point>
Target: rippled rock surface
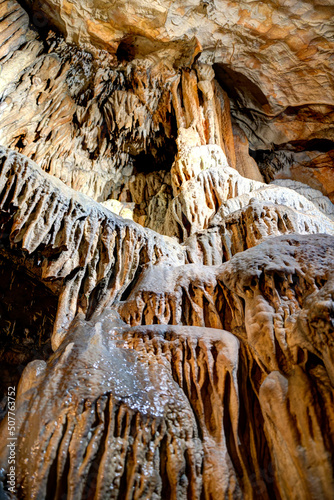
<point>166,310</point>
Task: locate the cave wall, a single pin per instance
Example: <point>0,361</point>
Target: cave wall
<point>166,309</point>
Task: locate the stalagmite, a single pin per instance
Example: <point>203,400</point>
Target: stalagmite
<point>166,250</point>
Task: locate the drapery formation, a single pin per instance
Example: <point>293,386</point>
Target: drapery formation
<point>168,314</point>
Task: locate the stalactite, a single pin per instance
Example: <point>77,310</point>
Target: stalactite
<point>188,304</point>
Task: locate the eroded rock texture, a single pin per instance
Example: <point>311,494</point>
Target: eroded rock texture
<point>274,59</point>
<point>167,314</point>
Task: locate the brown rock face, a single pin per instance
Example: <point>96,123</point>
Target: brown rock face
<point>253,45</point>
<point>166,316</point>
<point>255,38</point>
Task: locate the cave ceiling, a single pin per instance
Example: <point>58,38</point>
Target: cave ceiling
<point>273,55</point>
<point>167,249</point>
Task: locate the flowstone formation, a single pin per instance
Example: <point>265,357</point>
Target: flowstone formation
<point>167,312</point>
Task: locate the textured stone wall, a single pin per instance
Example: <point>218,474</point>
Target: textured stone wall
<point>166,311</point>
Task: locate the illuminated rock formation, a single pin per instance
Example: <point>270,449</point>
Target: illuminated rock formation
<point>167,315</point>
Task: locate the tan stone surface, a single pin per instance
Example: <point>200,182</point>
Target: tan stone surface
<point>200,354</point>
<point>313,168</point>
<point>187,353</point>
<point>245,164</point>
<point>13,27</point>
<point>258,39</point>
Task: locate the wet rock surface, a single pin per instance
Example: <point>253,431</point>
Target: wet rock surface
<point>166,313</point>
<point>186,350</point>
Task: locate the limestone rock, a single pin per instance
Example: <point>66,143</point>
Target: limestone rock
<point>314,195</point>
<point>13,27</point>
<point>96,124</point>
<point>255,39</point>
<point>281,409</point>
<point>245,164</point>
<point>75,241</point>
<point>125,210</point>
<point>202,185</point>
<point>280,195</point>
<point>274,60</point>
<point>182,381</point>
<point>111,374</point>
<point>187,353</point>
<point>184,371</point>
<point>314,169</point>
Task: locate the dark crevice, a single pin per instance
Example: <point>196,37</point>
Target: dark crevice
<point>228,428</point>
<point>52,478</point>
<point>27,314</point>
<point>94,469</point>
<point>166,488</point>
<point>239,87</point>
<point>321,145</point>
<point>62,485</point>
